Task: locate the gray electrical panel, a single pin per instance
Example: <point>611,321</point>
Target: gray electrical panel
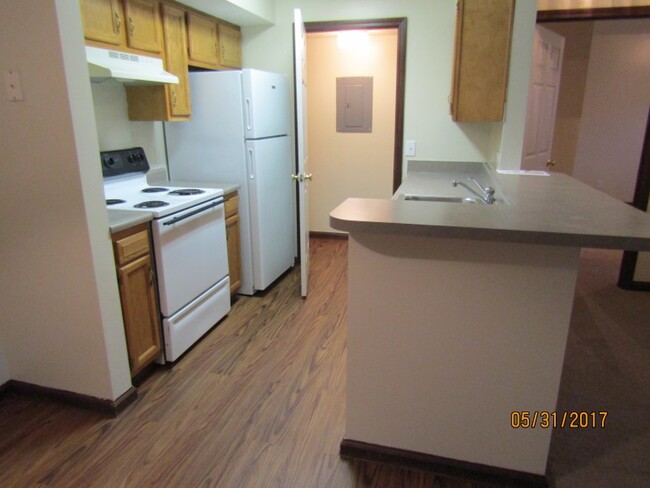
<point>354,104</point>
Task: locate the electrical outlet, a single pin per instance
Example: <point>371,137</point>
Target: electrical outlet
<point>409,149</point>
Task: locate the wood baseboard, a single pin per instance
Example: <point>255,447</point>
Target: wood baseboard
<point>109,408</point>
<point>452,468</point>
<point>329,235</point>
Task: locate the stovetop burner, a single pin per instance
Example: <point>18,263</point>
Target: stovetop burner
<point>126,186</point>
<point>154,189</point>
<point>114,201</point>
<point>187,191</point>
<point>151,204</point>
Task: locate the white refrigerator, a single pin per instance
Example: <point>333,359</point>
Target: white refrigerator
<point>239,134</point>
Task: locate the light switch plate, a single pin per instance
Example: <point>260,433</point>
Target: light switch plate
<point>409,149</point>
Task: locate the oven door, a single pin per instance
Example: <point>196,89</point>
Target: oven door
<point>191,255</point>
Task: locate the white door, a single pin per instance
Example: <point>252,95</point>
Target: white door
<point>302,177</point>
<point>542,100</point>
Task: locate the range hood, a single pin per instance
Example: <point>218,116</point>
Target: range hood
<point>133,69</point>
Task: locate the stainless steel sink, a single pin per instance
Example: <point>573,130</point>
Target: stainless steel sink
<point>438,198</point>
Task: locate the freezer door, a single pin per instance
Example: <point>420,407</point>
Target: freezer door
<point>271,208</point>
<point>266,104</point>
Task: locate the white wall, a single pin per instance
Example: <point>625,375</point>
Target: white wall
<point>61,322</point>
<point>239,12</point>
<point>615,107</point>
<point>349,164</point>
<point>116,131</point>
<point>430,45</point>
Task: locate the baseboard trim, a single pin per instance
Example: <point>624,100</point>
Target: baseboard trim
<point>474,472</point>
<point>329,235</point>
<point>110,408</point>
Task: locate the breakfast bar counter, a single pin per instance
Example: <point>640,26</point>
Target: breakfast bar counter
<point>458,316</point>
<point>554,209</point>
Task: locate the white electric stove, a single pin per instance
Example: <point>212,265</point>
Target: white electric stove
<point>189,240</point>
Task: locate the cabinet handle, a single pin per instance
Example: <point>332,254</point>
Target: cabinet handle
<point>118,23</point>
<point>131,26</point>
<point>150,276</point>
<point>173,97</point>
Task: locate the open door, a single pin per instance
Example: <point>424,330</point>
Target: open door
<point>542,100</point>
<point>302,176</point>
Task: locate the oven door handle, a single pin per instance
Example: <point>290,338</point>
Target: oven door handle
<point>197,211</point>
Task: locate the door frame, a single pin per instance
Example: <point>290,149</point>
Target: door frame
<point>398,23</point>
<point>604,13</point>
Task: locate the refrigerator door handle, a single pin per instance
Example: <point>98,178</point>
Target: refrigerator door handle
<point>251,164</point>
<point>249,115</point>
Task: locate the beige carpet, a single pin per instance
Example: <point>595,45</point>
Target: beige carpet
<point>606,368</point>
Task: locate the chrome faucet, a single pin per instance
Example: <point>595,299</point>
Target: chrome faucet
<point>487,193</point>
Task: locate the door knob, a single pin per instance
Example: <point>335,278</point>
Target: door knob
<point>301,177</point>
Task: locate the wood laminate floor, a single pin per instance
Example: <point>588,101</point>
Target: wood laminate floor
<point>260,402</point>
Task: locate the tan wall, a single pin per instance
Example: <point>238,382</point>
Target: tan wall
<point>430,47</point>
<point>571,4</point>
<point>62,323</point>
<point>615,107</point>
<point>349,164</point>
<point>577,45</point>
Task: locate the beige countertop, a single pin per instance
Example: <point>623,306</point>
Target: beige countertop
<point>554,209</point>
<point>123,219</point>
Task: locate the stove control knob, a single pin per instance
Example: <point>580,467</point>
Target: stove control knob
<point>109,161</point>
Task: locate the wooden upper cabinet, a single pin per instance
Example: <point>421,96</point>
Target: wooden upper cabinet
<point>166,102</point>
<point>481,60</point>
<point>103,22</point>
<point>127,25</point>
<point>176,60</point>
<point>229,46</point>
<point>202,41</point>
<point>143,27</point>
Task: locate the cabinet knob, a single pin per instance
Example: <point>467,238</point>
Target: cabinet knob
<point>550,163</point>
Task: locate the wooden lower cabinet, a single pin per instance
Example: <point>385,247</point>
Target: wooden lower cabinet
<point>233,241</point>
<point>137,284</point>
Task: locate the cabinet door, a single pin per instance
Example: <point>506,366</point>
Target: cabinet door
<point>140,311</point>
<point>102,20</point>
<point>482,55</point>
<point>176,60</point>
<point>143,25</point>
<point>202,41</point>
<point>229,46</point>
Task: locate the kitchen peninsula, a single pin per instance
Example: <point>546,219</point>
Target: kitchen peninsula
<point>459,314</point>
